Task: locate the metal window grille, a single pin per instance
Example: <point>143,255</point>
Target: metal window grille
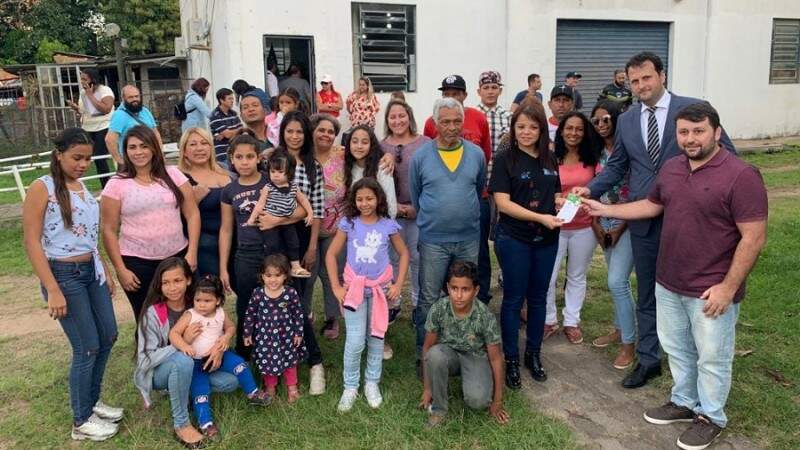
<point>784,63</point>
<point>384,45</point>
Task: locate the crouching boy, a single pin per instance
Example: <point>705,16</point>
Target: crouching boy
<point>462,337</point>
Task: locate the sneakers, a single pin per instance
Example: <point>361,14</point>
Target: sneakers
<point>700,435</point>
<point>574,335</point>
<point>331,329</point>
<point>317,383</point>
<point>94,429</point>
<point>625,357</point>
<point>393,314</point>
<point>260,398</point>
<point>348,399</point>
<point>108,413</point>
<point>605,341</point>
<point>210,431</point>
<point>549,330</point>
<point>387,351</point>
<point>373,394</point>
<point>669,413</point>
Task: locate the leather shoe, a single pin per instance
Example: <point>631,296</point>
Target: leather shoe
<point>534,363</point>
<point>640,375</point>
<point>512,374</point>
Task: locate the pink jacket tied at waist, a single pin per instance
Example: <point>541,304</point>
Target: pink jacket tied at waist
<point>379,322</point>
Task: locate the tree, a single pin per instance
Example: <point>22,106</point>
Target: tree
<point>150,26</point>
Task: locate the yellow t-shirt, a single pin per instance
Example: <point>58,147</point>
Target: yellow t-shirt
<point>452,156</point>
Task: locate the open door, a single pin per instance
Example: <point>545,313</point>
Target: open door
<point>280,51</point>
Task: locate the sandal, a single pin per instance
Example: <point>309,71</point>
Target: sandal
<point>301,273</point>
<point>202,443</point>
<point>293,394</point>
<point>210,431</point>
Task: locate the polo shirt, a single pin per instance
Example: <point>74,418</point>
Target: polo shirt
<point>122,121</point>
<point>221,121</point>
<point>524,93</point>
<point>701,210</point>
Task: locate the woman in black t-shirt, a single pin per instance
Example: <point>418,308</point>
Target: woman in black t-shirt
<point>525,184</point>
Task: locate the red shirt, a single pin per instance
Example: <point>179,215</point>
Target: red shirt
<point>476,130</point>
<point>330,98</point>
<point>572,175</point>
<point>701,209</point>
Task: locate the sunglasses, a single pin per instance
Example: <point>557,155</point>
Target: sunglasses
<point>605,120</point>
<point>398,153</point>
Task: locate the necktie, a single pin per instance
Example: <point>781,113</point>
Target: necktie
<point>653,146</point>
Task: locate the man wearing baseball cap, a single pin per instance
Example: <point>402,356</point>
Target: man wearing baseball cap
<point>562,101</point>
<point>571,80</point>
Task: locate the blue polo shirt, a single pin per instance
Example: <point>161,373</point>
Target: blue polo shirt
<point>122,121</point>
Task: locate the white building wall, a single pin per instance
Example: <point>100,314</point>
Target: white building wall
<point>719,49</point>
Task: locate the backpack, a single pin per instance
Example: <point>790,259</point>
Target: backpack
<point>179,110</point>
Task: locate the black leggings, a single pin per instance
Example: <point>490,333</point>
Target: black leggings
<point>144,269</point>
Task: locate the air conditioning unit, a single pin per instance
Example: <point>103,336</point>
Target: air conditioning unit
<point>180,47</point>
<point>198,33</point>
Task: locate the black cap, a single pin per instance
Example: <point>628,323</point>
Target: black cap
<point>454,82</point>
<point>562,89</point>
<point>573,75</point>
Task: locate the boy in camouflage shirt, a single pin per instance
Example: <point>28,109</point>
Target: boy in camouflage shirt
<point>462,337</point>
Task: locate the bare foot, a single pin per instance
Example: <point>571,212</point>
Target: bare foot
<point>271,391</point>
<point>188,434</point>
<point>293,394</point>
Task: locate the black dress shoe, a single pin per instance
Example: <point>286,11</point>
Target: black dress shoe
<point>640,375</point>
<point>512,374</point>
<point>534,363</point>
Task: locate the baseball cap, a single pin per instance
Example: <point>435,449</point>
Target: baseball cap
<point>490,77</point>
<point>326,79</point>
<point>573,75</point>
<point>562,89</point>
<point>454,82</point>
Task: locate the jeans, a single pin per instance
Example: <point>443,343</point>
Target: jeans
<point>484,260</point>
<point>201,384</point>
<point>578,246</point>
<point>357,324</point>
<point>477,383</point>
<point>619,259</point>
<point>409,232</point>
<point>99,149</point>
<point>700,352</point>
<point>175,376</point>
<point>91,329</point>
<point>330,301</point>
<point>434,262</point>
<point>207,255</point>
<point>247,261</point>
<point>526,274</point>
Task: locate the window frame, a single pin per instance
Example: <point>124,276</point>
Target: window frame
<point>786,43</point>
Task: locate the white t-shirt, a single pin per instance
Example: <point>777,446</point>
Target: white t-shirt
<point>91,118</point>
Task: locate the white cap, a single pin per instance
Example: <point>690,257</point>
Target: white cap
<point>326,79</point>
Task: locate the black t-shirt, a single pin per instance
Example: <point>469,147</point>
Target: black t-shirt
<point>243,199</point>
<point>529,185</point>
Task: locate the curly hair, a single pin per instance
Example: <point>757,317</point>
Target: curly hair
<point>351,210</point>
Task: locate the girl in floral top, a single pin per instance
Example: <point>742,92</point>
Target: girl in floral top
<point>363,105</point>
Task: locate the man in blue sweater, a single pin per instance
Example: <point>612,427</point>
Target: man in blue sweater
<point>446,179</point>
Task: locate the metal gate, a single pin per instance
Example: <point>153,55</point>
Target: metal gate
<point>596,47</point>
<point>57,85</point>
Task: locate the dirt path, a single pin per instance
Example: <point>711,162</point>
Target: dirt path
<point>584,390</point>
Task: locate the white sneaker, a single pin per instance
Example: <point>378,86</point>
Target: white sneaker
<point>108,413</point>
<point>348,399</point>
<point>373,394</point>
<point>387,351</point>
<point>317,383</point>
<point>94,429</point>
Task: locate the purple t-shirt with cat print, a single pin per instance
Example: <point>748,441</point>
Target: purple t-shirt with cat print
<point>368,245</point>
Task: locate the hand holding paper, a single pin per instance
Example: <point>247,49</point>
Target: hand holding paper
<point>570,208</point>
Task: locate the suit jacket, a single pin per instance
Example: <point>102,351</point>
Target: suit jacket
<point>630,153</point>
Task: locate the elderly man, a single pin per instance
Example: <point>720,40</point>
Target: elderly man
<point>446,180</point>
<point>129,114</point>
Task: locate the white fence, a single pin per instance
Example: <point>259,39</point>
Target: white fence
<point>16,165</point>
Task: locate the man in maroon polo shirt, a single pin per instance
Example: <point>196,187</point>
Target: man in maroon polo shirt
<point>715,225</point>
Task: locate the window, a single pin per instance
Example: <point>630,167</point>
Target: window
<point>784,63</point>
<point>384,46</point>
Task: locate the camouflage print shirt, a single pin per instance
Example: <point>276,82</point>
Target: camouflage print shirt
<point>470,334</point>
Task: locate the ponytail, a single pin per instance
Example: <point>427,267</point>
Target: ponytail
<point>63,142</point>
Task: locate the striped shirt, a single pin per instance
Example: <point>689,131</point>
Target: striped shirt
<point>221,121</point>
<point>282,201</point>
<point>315,192</point>
<point>499,124</point>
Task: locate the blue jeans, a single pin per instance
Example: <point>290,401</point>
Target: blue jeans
<point>91,329</point>
<point>700,352</point>
<point>201,384</point>
<point>434,262</point>
<point>619,259</point>
<point>175,376</point>
<point>358,335</point>
<point>409,231</point>
<point>484,260</point>
<point>526,276</point>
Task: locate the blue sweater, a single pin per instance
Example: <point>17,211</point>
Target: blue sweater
<point>447,203</point>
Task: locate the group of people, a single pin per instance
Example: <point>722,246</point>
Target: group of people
<point>263,210</point>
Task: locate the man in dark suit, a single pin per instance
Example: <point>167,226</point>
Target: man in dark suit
<point>644,140</point>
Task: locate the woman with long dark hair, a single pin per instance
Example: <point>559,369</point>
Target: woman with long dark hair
<point>61,220</point>
<point>525,185</point>
<point>94,107</point>
<point>577,150</point>
<point>141,209</point>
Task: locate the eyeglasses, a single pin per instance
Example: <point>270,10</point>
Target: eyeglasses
<point>398,153</point>
<point>605,119</point>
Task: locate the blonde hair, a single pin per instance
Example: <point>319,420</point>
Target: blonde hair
<point>184,141</point>
<point>370,90</point>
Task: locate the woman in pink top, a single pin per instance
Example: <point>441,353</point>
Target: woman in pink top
<point>141,211</point>
<point>577,149</point>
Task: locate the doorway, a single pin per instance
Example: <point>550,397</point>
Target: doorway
<point>280,51</point>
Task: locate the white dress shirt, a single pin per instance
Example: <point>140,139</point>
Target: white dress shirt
<point>662,107</point>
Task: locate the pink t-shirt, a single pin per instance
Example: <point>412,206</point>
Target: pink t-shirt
<point>213,329</point>
<point>572,175</point>
<point>150,217</point>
